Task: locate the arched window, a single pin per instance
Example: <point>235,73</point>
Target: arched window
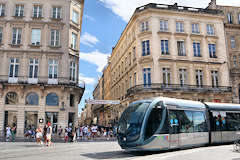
<point>52,99</point>
<point>11,98</point>
<point>32,99</point>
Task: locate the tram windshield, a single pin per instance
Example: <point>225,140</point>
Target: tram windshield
<point>131,120</point>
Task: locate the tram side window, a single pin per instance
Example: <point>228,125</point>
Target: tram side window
<point>153,122</point>
<point>199,121</point>
<point>233,121</point>
<point>174,122</point>
<point>186,121</point>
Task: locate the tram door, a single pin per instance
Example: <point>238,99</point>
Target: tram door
<point>173,129</point>
<point>216,124</point>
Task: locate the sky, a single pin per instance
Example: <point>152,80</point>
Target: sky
<point>103,23</point>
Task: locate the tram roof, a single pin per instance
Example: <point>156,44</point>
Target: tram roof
<point>182,103</point>
<point>223,106</point>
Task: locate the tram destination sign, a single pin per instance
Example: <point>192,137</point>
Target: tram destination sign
<point>92,101</point>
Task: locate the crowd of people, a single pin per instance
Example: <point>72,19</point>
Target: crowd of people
<point>68,134</point>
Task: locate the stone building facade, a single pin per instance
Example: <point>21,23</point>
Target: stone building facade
<point>172,51</point>
<point>232,31</point>
<point>39,55</point>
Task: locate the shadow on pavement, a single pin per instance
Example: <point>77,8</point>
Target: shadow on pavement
<point>109,155</point>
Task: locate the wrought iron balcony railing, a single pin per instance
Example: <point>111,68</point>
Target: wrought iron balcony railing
<point>177,87</point>
<point>41,81</point>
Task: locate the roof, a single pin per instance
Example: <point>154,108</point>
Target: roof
<point>223,106</point>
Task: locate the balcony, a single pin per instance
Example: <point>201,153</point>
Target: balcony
<point>24,80</point>
<point>177,87</point>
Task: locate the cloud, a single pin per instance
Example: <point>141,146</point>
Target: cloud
<point>125,8</point>
<point>88,39</point>
<point>95,57</point>
<point>89,18</point>
<point>87,80</point>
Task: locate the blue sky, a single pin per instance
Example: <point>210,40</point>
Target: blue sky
<point>103,23</point>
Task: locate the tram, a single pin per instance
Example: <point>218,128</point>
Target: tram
<point>166,123</point>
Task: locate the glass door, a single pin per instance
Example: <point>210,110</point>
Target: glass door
<point>173,129</point>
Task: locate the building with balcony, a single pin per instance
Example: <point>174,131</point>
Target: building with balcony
<point>232,30</point>
<point>39,55</point>
<point>172,51</point>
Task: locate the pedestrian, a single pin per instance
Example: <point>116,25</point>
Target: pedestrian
<point>13,132</point>
<point>49,134</point>
<point>60,130</point>
<point>66,135</point>
<point>8,133</point>
<point>45,133</point>
<point>39,135</point>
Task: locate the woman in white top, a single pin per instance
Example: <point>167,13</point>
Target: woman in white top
<point>8,133</point>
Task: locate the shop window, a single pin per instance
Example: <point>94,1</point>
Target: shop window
<point>32,99</point>
<point>52,100</point>
<point>11,98</point>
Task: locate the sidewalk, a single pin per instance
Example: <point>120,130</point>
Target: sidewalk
<point>61,140</point>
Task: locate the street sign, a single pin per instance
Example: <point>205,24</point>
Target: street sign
<point>92,101</point>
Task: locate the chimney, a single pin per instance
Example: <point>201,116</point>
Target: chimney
<point>212,5</point>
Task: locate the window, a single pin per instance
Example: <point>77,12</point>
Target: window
<point>233,43</point>
<point>182,76</point>
<point>72,98</point>
<point>130,58</point>
<point>199,122</point>
<point>186,121</point>
<point>75,16</point>
<point>214,75</point>
<point>56,12</point>
<point>179,27</point>
<point>181,48</point>
<point>16,36</point>
<point>37,11</point>
<point>74,41</point>
<point>232,121</point>
<point>33,68</point>
<point>1,35</point>
<point>238,18</point>
<point>52,99</point>
<point>52,68</point>
<point>199,77</point>
<point>11,98</point>
<point>135,79</point>
<point>235,61</point>
<point>196,49</point>
<point>130,81</point>
<point>164,47</point>
<point>72,71</point>
<point>55,37</point>
<point>147,76</point>
<point>134,53</point>
<point>2,9</point>
<point>166,76</point>
<point>14,67</point>
<point>163,25</point>
<point>19,10</point>
<point>230,18</point>
<point>36,37</point>
<point>153,122</point>
<point>174,122</point>
<point>32,99</point>
<point>144,26</point>
<point>145,48</point>
<point>195,28</point>
<point>210,29</point>
<point>212,50</point>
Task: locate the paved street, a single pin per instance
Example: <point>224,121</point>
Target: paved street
<point>108,150</point>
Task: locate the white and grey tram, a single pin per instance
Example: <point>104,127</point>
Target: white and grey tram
<point>167,123</point>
